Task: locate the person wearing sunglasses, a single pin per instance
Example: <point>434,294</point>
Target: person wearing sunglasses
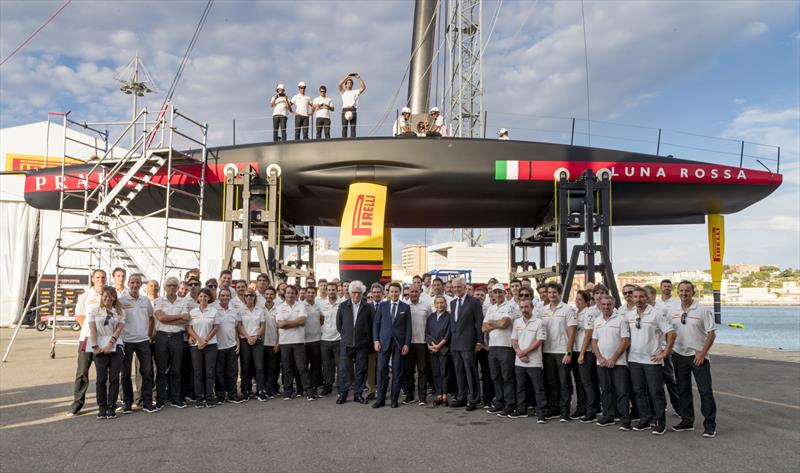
<point>187,372</point>
<point>172,314</point>
<point>106,323</point>
<point>560,323</point>
<point>322,106</point>
<point>437,127</point>
<point>87,301</point>
<point>645,359</point>
<point>627,294</point>
<point>611,338</point>
<point>695,333</point>
<point>212,285</point>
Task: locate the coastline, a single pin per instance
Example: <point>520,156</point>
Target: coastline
<point>754,353</point>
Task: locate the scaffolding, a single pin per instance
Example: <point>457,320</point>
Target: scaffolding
<point>98,222</point>
<point>465,75</point>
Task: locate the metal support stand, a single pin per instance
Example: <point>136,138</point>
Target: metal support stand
<point>246,219</point>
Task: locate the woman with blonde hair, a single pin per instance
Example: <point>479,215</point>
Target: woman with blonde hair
<point>105,325</point>
<point>202,331</point>
<point>437,336</point>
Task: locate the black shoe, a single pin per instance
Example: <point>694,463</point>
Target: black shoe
<point>541,420</point>
<point>127,409</point>
<point>219,400</point>
<point>211,404</point>
<point>506,413</point>
<point>658,428</point>
<point>641,426</point>
<point>683,426</point>
<point>101,415</point>
<point>378,404</point>
<point>577,414</point>
<point>605,421</point>
<point>111,414</point>
<point>236,399</point>
<point>360,400</point>
<point>551,414</point>
<point>471,406</point>
<point>178,404</point>
<point>190,398</point>
<point>371,396</point>
<point>408,400</point>
<point>262,397</point>
<point>200,405</point>
<point>587,419</point>
<point>626,426</point>
<point>494,410</point>
<point>709,433</point>
<point>150,408</point>
<point>517,414</point>
<point>395,404</point>
<point>341,400</point>
<point>160,405</point>
<point>311,396</point>
<point>458,403</point>
<point>564,418</point>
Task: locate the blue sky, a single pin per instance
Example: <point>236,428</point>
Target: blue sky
<point>723,69</point>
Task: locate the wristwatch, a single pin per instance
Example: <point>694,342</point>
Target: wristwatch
<point>568,353</point>
<point>94,346</point>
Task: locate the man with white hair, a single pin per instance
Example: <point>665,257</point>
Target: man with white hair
<point>172,314</point>
<point>354,323</point>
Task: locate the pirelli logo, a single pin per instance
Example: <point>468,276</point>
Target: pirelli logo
<point>716,242</point>
<point>363,215</point>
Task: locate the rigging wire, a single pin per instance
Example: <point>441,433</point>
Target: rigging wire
<point>32,35</point>
<point>586,64</point>
<point>495,16</point>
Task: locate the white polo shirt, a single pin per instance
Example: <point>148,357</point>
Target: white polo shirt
<point>290,313</point>
<point>138,312</point>
<point>302,104</point>
<point>500,337</point>
<point>350,98</point>
<point>672,302</point>
<point>323,112</point>
<point>180,306</point>
<point>585,320</point>
<point>203,322</point>
<point>646,341</point>
<point>419,318</point>
<point>281,108</point>
<point>329,332</point>
<point>400,123</point>
<point>227,320</point>
<point>97,315</point>
<point>526,332</point>
<point>690,337</point>
<point>86,302</point>
<point>270,326</point>
<point>252,319</point>
<point>261,301</point>
<point>556,322</point>
<point>313,327</point>
<point>609,334</point>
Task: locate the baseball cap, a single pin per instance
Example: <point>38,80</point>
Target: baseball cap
<point>405,110</point>
<point>498,287</point>
<point>502,131</point>
<point>434,109</point>
<point>301,84</point>
<point>280,87</point>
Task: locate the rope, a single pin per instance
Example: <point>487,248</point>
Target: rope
<point>32,35</point>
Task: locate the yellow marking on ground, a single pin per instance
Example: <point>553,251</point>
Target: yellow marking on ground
<point>755,399</point>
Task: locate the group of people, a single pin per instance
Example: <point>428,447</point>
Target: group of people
<point>304,107</point>
<point>434,126</point>
<point>515,350</point>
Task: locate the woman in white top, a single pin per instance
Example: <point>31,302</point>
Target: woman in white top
<point>227,348</point>
<point>202,330</point>
<point>105,326</point>
<point>251,334</point>
<point>584,363</point>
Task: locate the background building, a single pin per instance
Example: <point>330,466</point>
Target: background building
<point>486,261</point>
<point>415,259</point>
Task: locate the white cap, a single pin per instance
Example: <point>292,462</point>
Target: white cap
<point>503,131</point>
<point>280,87</point>
<point>405,110</point>
<point>434,109</point>
<point>498,286</point>
<point>301,84</point>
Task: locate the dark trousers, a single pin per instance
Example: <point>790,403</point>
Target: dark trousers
<point>169,362</point>
<point>534,376</point>
<point>330,363</point>
<point>391,354</point>
<point>614,391</point>
<point>577,381</point>
<point>351,122</point>
<point>108,366</point>
<point>417,360</point>
<point>142,351</point>
<point>252,357</point>
<point>204,364</point>
<point>300,125</point>
<point>501,364</point>
<point>353,369</point>
<point>588,374</point>
<point>648,386</point>
<point>279,125</point>
<point>187,373</point>
<point>671,383</point>
<point>684,369</point>
<point>314,358</point>
<point>323,128</point>
<point>439,373</point>
<point>226,372</point>
<point>293,357</point>
<point>81,379</point>
<point>486,383</point>
<point>466,376</point>
<point>559,385</point>
<point>272,369</point>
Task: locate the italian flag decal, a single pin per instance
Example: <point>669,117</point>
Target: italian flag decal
<point>512,170</point>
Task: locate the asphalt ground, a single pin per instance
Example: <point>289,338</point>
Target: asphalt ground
<point>758,420</point>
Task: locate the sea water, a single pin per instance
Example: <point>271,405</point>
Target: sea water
<point>770,327</point>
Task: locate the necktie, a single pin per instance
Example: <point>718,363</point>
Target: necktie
<point>458,309</point>
<point>394,310</point>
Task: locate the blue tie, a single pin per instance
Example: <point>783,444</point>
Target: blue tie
<point>394,310</point>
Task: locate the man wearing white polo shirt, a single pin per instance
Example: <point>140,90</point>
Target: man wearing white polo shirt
<point>350,102</point>
<point>291,320</point>
<point>272,356</point>
<point>695,333</point>
<point>302,110</point>
<point>313,334</point>
<point>86,302</point>
<point>611,338</point>
<point>647,327</point>
<point>136,335</point>
<point>330,337</point>
<point>527,337</point>
<point>417,360</point>
<point>323,106</point>
<point>497,324</point>
<point>172,314</point>
<point>560,322</point>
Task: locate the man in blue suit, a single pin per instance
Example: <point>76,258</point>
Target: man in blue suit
<point>466,340</point>
<point>392,336</point>
<point>354,323</point>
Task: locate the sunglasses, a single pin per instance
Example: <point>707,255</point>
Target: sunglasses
<point>249,295</point>
<point>683,318</point>
<point>194,284</point>
<point>170,285</point>
<point>108,319</point>
<point>527,296</point>
<point>212,286</point>
<point>627,293</point>
<point>638,322</point>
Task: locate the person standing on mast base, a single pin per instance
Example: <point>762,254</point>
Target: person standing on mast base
<point>350,102</point>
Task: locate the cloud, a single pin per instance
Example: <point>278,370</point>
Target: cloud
<point>755,28</point>
<point>739,101</point>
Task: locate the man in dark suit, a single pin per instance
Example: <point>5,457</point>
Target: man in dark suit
<point>354,323</point>
<point>465,341</point>
<point>391,332</point>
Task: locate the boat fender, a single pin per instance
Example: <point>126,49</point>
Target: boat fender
<point>558,173</point>
<point>274,169</point>
<point>231,170</point>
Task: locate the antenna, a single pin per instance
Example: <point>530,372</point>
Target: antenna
<point>136,82</point>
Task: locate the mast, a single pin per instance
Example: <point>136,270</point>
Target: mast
<point>419,83</point>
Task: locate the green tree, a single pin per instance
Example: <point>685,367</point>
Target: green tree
<point>769,268</point>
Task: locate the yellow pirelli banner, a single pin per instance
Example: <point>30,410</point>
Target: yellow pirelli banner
<point>716,253</point>
<point>361,235</point>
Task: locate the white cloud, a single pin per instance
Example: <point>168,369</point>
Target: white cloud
<point>755,28</point>
<point>739,101</point>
